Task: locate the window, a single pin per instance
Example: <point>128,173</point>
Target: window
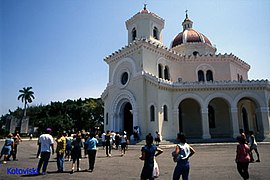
<point>155,33</point>
<point>209,75</point>
<point>160,71</point>
<point>200,76</point>
<point>166,73</point>
<point>134,34</point>
<point>124,78</point>
<point>195,53</point>
<point>152,113</point>
<point>211,117</point>
<point>165,113</point>
<point>107,118</point>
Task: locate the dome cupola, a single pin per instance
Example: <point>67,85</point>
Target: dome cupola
<point>191,42</point>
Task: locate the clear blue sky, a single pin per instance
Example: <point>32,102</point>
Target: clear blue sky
<point>58,46</point>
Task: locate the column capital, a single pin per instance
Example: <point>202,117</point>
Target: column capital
<point>204,110</point>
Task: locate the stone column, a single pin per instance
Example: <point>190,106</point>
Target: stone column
<point>234,121</point>
<point>205,124</point>
<point>175,123</point>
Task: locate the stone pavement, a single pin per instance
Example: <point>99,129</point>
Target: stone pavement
<point>210,162</point>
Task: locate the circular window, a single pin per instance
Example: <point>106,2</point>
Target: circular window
<point>124,78</point>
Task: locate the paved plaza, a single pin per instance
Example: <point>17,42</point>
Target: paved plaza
<point>210,162</point>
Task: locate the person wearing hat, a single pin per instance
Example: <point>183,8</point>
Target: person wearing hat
<point>46,145</point>
<point>7,148</point>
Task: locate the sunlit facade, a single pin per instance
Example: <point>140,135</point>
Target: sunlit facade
<point>186,87</point>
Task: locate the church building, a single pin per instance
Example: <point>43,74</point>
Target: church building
<point>187,87</point>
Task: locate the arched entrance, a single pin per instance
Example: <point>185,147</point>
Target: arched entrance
<point>220,125</point>
<point>128,118</point>
<point>190,121</point>
<point>248,115</point>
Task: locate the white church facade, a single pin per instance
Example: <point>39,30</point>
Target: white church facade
<point>186,87</point>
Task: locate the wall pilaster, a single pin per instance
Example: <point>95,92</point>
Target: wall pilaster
<point>205,124</point>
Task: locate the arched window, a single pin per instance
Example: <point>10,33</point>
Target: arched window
<point>211,117</point>
<point>107,118</point>
<point>152,113</point>
<point>134,34</point>
<point>155,33</point>
<point>166,73</point>
<point>209,75</point>
<point>160,71</point>
<point>195,53</point>
<point>200,76</point>
<point>165,113</point>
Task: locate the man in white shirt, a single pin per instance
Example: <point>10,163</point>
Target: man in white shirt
<point>45,143</point>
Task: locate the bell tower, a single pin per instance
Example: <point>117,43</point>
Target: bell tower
<point>145,24</point>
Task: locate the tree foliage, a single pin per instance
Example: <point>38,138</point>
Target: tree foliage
<point>27,96</point>
<point>69,115</point>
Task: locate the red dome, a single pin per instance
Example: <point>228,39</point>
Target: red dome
<point>190,36</point>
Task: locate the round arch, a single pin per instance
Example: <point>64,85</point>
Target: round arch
<point>219,118</point>
<point>180,98</point>
<point>253,96</point>
<point>189,117</point>
<point>226,97</point>
<point>118,107</point>
<point>123,64</point>
<point>249,118</point>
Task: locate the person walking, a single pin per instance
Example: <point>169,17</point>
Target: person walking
<point>243,135</point>
<point>91,151</point>
<point>17,139</point>
<point>60,151</point>
<point>183,151</point>
<point>124,141</point>
<point>117,140</point>
<point>7,148</point>
<point>148,154</point>
<point>108,143</point>
<point>157,138</point>
<point>103,140</point>
<point>242,157</point>
<point>253,146</point>
<point>68,147</point>
<point>76,151</point>
<point>46,144</point>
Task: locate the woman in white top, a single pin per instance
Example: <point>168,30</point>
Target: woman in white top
<point>253,146</point>
<point>181,155</point>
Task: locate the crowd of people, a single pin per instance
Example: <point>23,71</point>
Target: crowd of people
<point>70,147</point>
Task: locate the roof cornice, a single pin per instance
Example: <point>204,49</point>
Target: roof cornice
<point>171,54</point>
<point>207,86</point>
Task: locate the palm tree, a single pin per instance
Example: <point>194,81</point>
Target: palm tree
<point>26,96</point>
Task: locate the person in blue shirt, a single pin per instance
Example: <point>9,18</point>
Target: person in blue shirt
<point>7,148</point>
<point>149,152</point>
<point>91,150</point>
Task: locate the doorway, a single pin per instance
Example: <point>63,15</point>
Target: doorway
<point>128,119</point>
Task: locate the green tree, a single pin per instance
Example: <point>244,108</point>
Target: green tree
<point>26,96</point>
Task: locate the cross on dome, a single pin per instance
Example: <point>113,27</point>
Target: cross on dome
<point>144,8</point>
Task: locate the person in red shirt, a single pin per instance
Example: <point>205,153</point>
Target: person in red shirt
<point>242,157</point>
